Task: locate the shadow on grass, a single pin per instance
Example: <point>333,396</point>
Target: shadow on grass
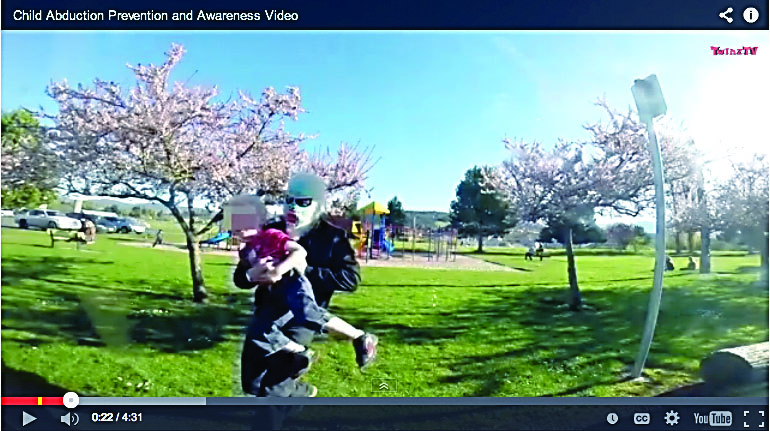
<point>124,238</point>
<point>577,390</point>
<point>492,253</point>
<point>748,270</point>
<point>552,253</point>
<point>759,389</point>
<point>54,300</point>
<point>17,383</point>
<point>175,331</point>
<point>669,275</point>
<point>526,337</point>
<point>228,264</point>
<point>444,285</point>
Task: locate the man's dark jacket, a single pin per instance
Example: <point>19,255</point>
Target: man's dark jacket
<point>331,263</point>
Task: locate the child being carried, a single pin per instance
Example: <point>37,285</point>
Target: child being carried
<point>292,295</point>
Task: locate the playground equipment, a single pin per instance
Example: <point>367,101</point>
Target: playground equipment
<point>375,238</point>
<point>216,240</point>
<point>372,231</point>
<point>221,236</point>
<point>442,243</point>
<point>401,242</point>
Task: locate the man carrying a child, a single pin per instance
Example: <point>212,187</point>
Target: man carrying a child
<point>296,264</point>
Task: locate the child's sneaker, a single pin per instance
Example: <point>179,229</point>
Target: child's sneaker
<point>366,349</point>
<point>305,390</point>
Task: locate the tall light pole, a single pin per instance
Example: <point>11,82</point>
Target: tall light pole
<point>650,104</point>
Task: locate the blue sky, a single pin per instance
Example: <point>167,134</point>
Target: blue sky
<point>432,104</point>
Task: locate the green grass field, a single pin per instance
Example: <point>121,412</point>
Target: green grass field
<point>116,320</point>
<point>172,232</point>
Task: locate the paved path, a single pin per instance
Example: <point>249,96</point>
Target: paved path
<point>182,248</point>
<point>421,261</point>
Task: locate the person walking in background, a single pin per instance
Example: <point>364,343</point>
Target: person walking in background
<point>539,251</point>
<point>158,238</point>
<point>530,253</point>
<point>90,232</point>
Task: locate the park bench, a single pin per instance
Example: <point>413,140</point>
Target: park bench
<point>77,237</point>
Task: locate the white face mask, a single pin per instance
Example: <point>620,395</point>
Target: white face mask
<point>299,220</point>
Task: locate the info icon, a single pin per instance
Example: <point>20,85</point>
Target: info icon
<point>750,15</point>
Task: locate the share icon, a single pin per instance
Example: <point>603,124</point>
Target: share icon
<point>726,15</point>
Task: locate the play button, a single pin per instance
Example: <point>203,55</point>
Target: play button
<point>26,418</point>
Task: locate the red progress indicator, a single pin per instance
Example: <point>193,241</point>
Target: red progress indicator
<point>33,401</point>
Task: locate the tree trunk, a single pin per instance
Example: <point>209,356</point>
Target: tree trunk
<point>575,302</point>
<point>736,366</point>
<point>763,269</point>
<point>705,250</point>
<point>481,244</point>
<point>194,252</point>
<point>690,241</point>
<point>677,243</point>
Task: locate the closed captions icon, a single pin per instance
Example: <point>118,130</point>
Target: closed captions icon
<point>641,418</point>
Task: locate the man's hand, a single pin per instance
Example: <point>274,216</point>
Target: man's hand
<point>296,261</point>
<point>301,265</point>
<point>263,272</point>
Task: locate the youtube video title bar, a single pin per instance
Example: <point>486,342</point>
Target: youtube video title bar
<point>391,15</point>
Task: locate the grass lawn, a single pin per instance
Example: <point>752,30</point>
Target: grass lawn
<point>172,232</point>
<point>116,320</point>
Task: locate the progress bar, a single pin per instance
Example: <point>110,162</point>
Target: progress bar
<point>393,401</point>
<point>33,401</point>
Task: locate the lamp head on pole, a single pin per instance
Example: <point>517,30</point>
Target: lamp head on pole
<point>649,98</point>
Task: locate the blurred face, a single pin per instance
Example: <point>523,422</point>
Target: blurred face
<point>301,213</point>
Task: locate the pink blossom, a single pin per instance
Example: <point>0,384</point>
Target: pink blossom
<point>171,142</point>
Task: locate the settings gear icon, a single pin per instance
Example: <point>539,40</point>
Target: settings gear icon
<point>672,418</point>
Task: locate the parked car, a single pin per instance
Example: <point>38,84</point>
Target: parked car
<point>126,225</point>
<point>107,224</point>
<point>83,216</point>
<point>94,219</point>
<point>45,219</point>
<point>7,213</point>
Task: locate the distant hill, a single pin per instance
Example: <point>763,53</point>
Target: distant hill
<point>427,219</point>
<point>67,204</point>
<point>106,202</point>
